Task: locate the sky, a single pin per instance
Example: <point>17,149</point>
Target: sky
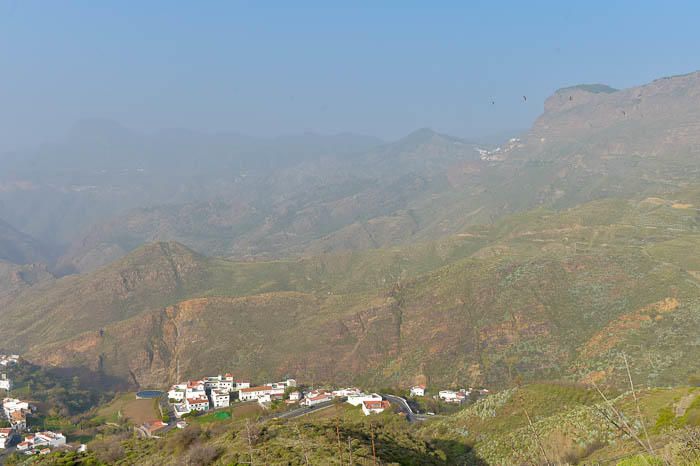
<point>380,68</point>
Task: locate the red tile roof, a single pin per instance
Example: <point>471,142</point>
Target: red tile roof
<point>374,404</point>
<point>194,401</point>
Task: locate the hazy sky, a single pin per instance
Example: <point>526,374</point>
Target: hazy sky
<point>302,66</point>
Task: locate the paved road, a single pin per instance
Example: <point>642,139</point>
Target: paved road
<point>302,411</point>
<point>404,407</point>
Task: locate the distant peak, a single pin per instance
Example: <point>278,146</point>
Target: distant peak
<point>591,88</point>
<point>422,136</point>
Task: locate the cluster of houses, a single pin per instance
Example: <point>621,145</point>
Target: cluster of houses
<point>8,359</point>
<point>370,403</point>
<point>451,396</point>
<point>217,392</point>
<point>41,442</point>
<point>16,411</point>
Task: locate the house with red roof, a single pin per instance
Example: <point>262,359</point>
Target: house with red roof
<point>374,406</point>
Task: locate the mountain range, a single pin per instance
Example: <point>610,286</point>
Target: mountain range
<point>349,259</point>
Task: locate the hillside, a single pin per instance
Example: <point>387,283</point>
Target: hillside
<point>19,248</point>
<point>543,423</point>
<point>573,424</point>
<point>330,204</point>
<point>541,294</point>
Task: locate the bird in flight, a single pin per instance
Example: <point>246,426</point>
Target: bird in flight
<point>525,98</point>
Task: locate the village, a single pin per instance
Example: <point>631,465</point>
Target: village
<point>210,394</point>
<point>288,399</point>
<point>15,413</point>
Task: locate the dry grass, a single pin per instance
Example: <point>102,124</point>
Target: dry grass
<point>128,407</point>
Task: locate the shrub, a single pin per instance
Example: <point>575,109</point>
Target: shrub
<point>107,451</point>
<point>202,455</point>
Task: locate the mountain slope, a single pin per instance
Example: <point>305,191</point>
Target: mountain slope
<point>375,190</point>
<point>19,248</point>
<point>540,294</point>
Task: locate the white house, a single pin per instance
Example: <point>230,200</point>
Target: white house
<point>195,389</point>
<point>418,390</point>
<point>177,392</point>
<point>356,400</point>
<point>180,409</point>
<point>5,437</point>
<point>343,392</point>
<point>48,438</point>
<point>197,404</point>
<point>374,406</point>
<point>238,384</point>
<point>42,439</point>
<point>220,398</point>
<point>253,393</point>
<point>317,398</point>
<point>295,396</point>
<point>10,405</point>
<point>450,396</point>
<point>8,359</point>
<point>5,383</point>
<point>219,382</point>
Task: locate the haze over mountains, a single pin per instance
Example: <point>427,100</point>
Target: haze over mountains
<point>379,258</point>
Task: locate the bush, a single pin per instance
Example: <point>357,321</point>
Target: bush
<point>203,455</point>
<point>107,451</point>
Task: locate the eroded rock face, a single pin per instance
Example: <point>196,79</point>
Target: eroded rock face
<point>664,114</point>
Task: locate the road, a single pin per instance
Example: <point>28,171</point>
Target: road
<point>303,410</point>
<point>404,407</point>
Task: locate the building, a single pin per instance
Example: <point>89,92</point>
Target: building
<point>357,400</point>
<point>8,359</point>
<point>12,404</point>
<point>238,384</point>
<point>200,403</point>
<point>180,409</point>
<point>5,383</point>
<point>374,406</point>
<point>295,396</point>
<point>220,398</point>
<point>42,439</point>
<point>49,439</point>
<point>18,420</point>
<point>418,390</point>
<point>253,393</point>
<point>450,396</point>
<point>317,398</point>
<point>181,424</point>
<point>220,382</point>
<point>154,427</point>
<point>177,392</point>
<point>345,392</point>
<point>194,388</point>
<point>16,412</point>
<point>5,437</point>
